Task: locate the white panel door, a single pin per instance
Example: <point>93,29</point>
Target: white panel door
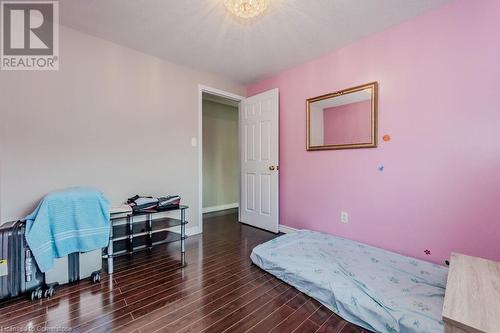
<point>259,160</point>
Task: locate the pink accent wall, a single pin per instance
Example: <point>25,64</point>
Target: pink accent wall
<point>439,81</point>
<point>348,123</point>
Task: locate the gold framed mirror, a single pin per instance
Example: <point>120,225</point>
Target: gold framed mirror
<point>344,119</point>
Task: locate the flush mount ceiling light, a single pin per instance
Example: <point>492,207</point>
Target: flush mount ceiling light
<point>246,9</point>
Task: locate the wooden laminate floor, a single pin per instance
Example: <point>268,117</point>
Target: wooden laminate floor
<point>219,291</point>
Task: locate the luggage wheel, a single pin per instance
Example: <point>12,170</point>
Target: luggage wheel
<point>49,292</point>
<point>96,277</point>
<point>36,294</point>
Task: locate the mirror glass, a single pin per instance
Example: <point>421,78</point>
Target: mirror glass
<point>345,119</point>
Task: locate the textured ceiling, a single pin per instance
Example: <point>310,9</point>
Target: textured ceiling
<point>203,35</point>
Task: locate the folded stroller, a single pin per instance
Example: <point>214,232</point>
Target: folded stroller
<point>139,203</point>
<point>169,202</point>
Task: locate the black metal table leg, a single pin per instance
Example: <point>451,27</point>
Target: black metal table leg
<point>183,237</point>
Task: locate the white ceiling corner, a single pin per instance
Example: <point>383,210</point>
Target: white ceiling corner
<point>201,34</point>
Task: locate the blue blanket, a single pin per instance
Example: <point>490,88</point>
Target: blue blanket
<point>376,289</point>
<point>68,221</point>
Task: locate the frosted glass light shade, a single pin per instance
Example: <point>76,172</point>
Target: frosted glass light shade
<point>246,9</point>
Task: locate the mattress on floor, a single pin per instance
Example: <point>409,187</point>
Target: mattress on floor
<point>376,289</point>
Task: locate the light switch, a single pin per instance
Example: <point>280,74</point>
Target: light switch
<point>194,142</point>
<point>344,217</point>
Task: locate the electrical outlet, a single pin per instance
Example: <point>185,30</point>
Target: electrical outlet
<point>344,217</point>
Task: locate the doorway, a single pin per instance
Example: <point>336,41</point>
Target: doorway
<point>221,162</point>
<point>219,157</point>
<point>238,156</point>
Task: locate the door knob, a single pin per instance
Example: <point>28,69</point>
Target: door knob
<point>272,168</point>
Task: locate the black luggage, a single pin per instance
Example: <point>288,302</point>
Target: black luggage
<point>20,275</point>
<point>18,271</point>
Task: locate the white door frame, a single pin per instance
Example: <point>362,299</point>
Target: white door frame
<point>213,91</point>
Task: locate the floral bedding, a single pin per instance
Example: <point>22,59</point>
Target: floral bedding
<point>373,288</point>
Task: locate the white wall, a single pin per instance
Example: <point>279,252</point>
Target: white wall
<point>111,117</point>
<point>221,161</point>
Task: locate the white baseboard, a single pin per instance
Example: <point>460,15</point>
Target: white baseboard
<point>220,207</point>
<point>286,230</point>
<point>189,231</point>
<point>193,231</point>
